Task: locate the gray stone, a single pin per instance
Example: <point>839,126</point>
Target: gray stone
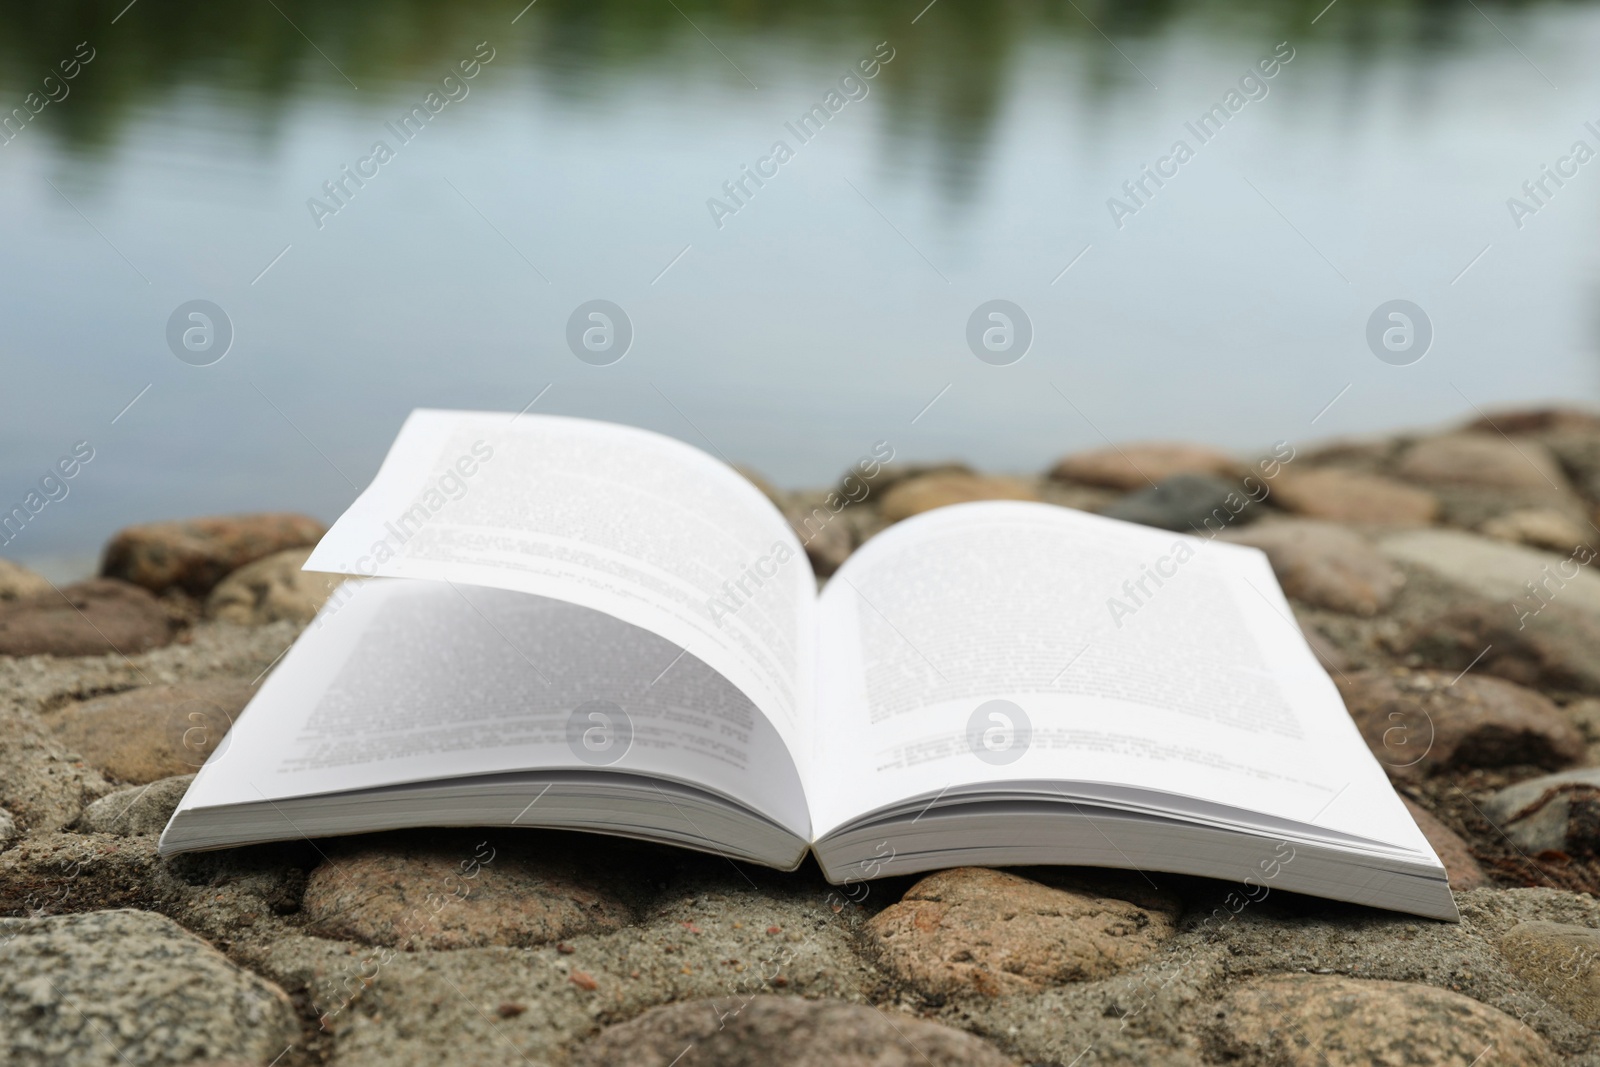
<point>1551,650</point>
<point>1500,571</point>
<point>273,588</point>
<point>1482,461</point>
<point>129,987</point>
<point>1325,565</point>
<point>1555,811</point>
<point>765,1030</point>
<point>1189,503</point>
<point>8,828</point>
<point>142,809</point>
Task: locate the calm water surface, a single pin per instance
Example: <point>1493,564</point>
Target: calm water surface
<point>805,317</point>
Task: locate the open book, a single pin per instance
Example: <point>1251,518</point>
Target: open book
<point>586,626</point>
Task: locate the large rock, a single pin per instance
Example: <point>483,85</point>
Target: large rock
<point>826,534</point>
<point>1309,1020</point>
<point>1138,466</point>
<point>1460,866</point>
<point>1536,420</point>
<point>916,495</point>
<point>1556,811</point>
<point>1419,723</point>
<point>974,930</point>
<point>155,731</point>
<point>273,589</point>
<point>1561,961</point>
<point>1483,461</point>
<point>1551,650</point>
<point>1325,565</point>
<point>195,554</point>
<point>1188,503</point>
<point>1340,495</point>
<point>144,809</point>
<point>1547,528</point>
<point>18,582</point>
<point>90,618</point>
<point>1501,571</point>
<point>115,988</point>
<point>764,1030</point>
<point>456,890</point>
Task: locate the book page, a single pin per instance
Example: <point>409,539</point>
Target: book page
<point>410,681</point>
<point>1015,642</point>
<point>621,520</point>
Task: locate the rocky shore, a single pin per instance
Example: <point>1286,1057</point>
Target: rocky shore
<point>1445,581</point>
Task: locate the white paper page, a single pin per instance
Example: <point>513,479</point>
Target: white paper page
<point>1204,687</point>
<point>407,681</point>
<point>622,520</point>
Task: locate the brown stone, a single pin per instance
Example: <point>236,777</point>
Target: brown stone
<point>739,1031</point>
<point>153,732</point>
<point>272,589</point>
<point>18,582</point>
<point>1325,565</point>
<point>826,534</point>
<point>974,930</point>
<point>1486,461</point>
<point>1418,723</point>
<point>768,490</point>
<point>1561,961</point>
<point>140,809</point>
<point>1545,528</point>
<point>931,491</point>
<point>1354,497</point>
<point>1460,866</point>
<point>1535,420</point>
<point>1137,466</point>
<point>1559,812</point>
<point>1551,650</point>
<point>455,889</point>
<point>1311,1020</point>
<point>90,618</point>
<point>195,554</point>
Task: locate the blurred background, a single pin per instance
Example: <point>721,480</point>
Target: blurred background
<point>830,311</point>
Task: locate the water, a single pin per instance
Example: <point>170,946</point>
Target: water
<point>830,310</point>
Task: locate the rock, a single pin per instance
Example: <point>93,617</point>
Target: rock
<point>1535,420</point>
<point>455,890</point>
<point>974,930</point>
<point>825,534</point>
<point>1188,503</point>
<point>1551,650</point>
<point>1328,654</point>
<point>1309,1020</point>
<point>738,1032</point>
<point>8,828</point>
<point>929,491</point>
<point>1460,866</point>
<point>90,618</point>
<point>156,731</point>
<point>1325,565</point>
<point>1585,715</point>
<point>18,582</point>
<point>273,588</point>
<point>1556,811</point>
<point>1485,461</point>
<point>1139,466</point>
<point>1559,960</point>
<point>1579,453</point>
<point>1418,723</point>
<point>1354,497</point>
<point>768,490</point>
<point>140,810</point>
<point>131,987</point>
<point>195,554</point>
<point>1498,570</point>
<point>855,486</point>
<point>1544,528</point>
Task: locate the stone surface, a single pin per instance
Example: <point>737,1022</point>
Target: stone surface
<point>1325,565</point>
<point>826,535</point>
<point>916,495</point>
<point>1459,864</point>
<point>1188,503</point>
<point>455,889</point>
<point>1562,961</point>
<point>1340,495</point>
<point>273,588</point>
<point>1485,461</point>
<point>1558,812</point>
<point>1330,1021</point>
<point>1500,571</point>
<point>141,809</point>
<point>765,1030</point>
<point>1553,649</point>
<point>195,554</point>
<point>129,987</point>
<point>1546,528</point>
<point>8,828</point>
<point>18,582</point>
<point>84,619</point>
<point>1419,723</point>
<point>1536,420</point>
<point>1139,466</point>
<point>154,731</point>
<point>974,930</point>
